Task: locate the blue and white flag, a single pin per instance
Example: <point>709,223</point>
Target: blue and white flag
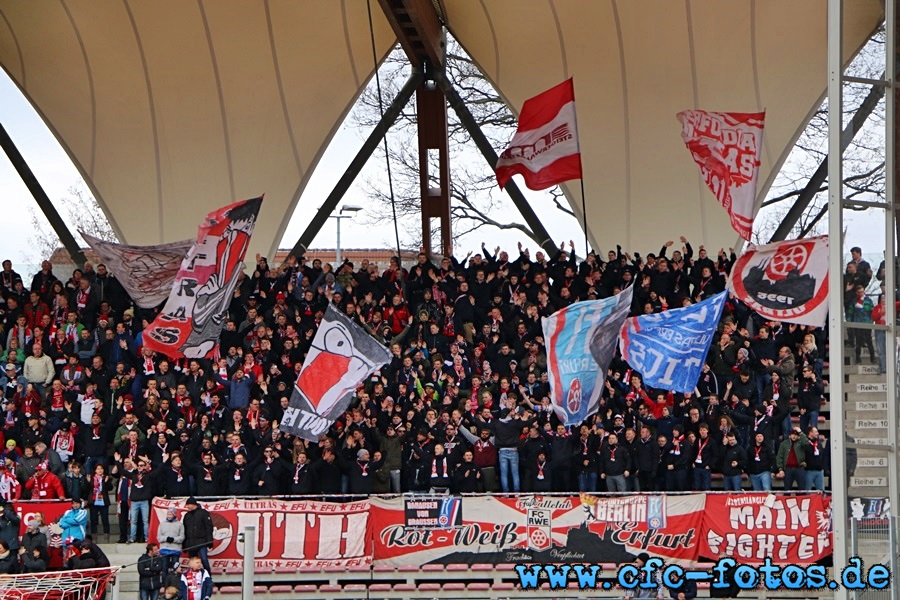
<point>668,349</point>
<point>581,342</point>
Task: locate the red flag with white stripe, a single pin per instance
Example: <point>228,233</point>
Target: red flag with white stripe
<point>727,147</point>
<point>544,150</point>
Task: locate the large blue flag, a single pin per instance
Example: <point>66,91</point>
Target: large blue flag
<point>581,342</point>
<point>668,348</point>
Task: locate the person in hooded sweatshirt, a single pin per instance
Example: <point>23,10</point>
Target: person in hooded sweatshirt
<point>170,534</point>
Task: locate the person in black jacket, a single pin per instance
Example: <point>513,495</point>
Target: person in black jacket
<point>361,472</point>
<point>198,531</point>
<point>506,433</point>
<point>9,525</point>
<point>677,462</point>
<point>614,464</point>
<point>237,475</point>
<point>9,561</point>
<point>815,461</point>
<point>646,460</point>
<point>205,482</point>
<point>760,460</point>
<point>301,476</point>
<point>173,478</point>
<point>270,475</point>
<point>328,473</point>
<point>734,460</point>
<point>705,458</point>
<point>151,568</point>
<point>467,476</point>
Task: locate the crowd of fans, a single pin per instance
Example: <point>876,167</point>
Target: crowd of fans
<point>91,415</point>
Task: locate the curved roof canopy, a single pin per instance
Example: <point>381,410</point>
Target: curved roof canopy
<point>171,108</point>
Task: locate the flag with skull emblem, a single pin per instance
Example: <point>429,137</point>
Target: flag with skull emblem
<point>342,355</point>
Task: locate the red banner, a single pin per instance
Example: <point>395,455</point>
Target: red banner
<point>288,532</point>
<point>415,530</point>
<point>50,509</point>
<point>753,527</point>
<point>545,529</point>
<point>544,150</point>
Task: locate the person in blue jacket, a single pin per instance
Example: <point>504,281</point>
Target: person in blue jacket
<point>74,522</point>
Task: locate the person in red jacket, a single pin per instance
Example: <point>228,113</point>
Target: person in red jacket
<point>44,485</point>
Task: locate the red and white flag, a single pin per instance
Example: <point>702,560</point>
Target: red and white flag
<point>545,149</point>
<point>785,281</point>
<point>727,146</point>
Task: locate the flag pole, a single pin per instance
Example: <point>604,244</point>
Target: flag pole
<point>583,201</point>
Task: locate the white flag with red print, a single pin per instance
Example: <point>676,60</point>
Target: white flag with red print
<point>785,281</point>
<point>726,147</point>
<point>545,149</point>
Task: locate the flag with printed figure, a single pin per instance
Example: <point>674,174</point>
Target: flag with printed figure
<point>341,356</point>
<point>785,281</point>
<point>192,319</point>
<point>581,343</point>
<point>727,148</point>
<point>146,272</point>
<point>669,348</point>
<point>544,150</point>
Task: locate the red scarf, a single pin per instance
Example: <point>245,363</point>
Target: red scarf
<point>57,403</point>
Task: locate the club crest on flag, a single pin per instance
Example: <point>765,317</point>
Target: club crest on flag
<point>727,147</point>
<point>786,281</point>
<point>581,341</point>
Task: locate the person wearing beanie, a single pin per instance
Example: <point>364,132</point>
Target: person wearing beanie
<point>170,535</point>
<point>198,531</point>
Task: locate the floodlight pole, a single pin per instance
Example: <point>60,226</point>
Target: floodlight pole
<point>43,201</point>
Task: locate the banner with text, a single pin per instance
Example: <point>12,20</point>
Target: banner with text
<point>195,312</point>
<point>297,533</point>
<point>679,529</point>
<point>669,348</point>
<point>752,527</point>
